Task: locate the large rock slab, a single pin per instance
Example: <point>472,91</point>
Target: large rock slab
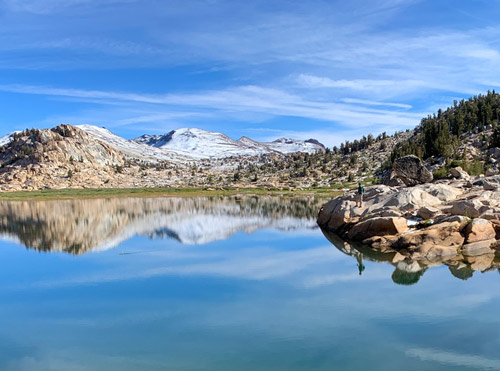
<point>411,170</point>
<point>379,201</point>
<point>443,239</point>
<point>380,226</point>
<point>479,230</point>
<point>478,247</point>
<point>469,208</point>
<point>336,213</point>
<point>444,192</point>
<point>407,199</point>
<point>427,212</point>
<point>390,178</point>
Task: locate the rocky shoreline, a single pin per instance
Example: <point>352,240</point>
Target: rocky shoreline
<point>445,219</point>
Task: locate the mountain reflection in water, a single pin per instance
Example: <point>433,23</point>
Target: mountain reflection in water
<point>409,272</point>
<point>81,225</point>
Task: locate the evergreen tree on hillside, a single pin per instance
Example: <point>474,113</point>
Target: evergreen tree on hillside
<point>440,134</point>
<point>495,138</point>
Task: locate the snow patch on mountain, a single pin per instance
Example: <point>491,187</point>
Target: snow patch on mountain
<point>185,145</point>
<point>133,149</point>
<point>202,143</point>
<point>209,144</point>
<point>6,139</point>
<point>286,145</point>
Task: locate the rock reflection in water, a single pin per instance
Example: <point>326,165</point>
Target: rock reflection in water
<point>81,225</point>
<point>408,271</point>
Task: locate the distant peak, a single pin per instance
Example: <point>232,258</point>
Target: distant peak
<point>284,140</point>
<point>246,139</point>
<point>314,141</point>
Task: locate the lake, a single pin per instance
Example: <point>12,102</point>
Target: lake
<point>227,283</point>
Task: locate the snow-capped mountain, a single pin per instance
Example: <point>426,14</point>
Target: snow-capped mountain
<point>6,139</point>
<point>183,146</point>
<point>207,144</point>
<point>203,143</point>
<point>133,149</point>
<point>286,145</point>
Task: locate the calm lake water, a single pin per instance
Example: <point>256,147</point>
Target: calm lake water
<point>238,283</point>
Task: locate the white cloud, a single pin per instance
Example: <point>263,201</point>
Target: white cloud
<point>257,263</point>
<point>334,62</point>
<point>455,359</point>
<point>243,100</point>
<point>374,103</point>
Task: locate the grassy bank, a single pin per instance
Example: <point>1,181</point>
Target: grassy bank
<point>160,192</point>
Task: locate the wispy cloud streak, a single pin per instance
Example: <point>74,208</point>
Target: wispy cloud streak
<point>239,100</point>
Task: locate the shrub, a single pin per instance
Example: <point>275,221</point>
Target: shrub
<point>440,173</point>
<point>475,168</point>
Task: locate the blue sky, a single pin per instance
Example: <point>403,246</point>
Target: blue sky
<point>332,70</point>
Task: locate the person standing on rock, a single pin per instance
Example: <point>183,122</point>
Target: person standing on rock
<point>359,196</point>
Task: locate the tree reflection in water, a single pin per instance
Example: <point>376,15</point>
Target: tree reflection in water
<point>78,226</point>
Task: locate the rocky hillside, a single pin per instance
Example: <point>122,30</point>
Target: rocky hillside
<point>87,156</point>
<point>92,157</point>
<point>460,139</point>
<point>56,158</point>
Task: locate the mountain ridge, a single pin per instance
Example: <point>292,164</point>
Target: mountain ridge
<point>208,144</point>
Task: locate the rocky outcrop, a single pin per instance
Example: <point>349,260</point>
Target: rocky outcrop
<point>426,221</point>
<point>62,157</point>
<point>411,170</point>
<point>442,239</point>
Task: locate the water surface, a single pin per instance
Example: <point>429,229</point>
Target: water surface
<point>238,283</point>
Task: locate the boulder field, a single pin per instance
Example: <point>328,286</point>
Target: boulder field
<point>427,221</point>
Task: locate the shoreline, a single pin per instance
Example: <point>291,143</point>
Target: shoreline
<point>72,193</point>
